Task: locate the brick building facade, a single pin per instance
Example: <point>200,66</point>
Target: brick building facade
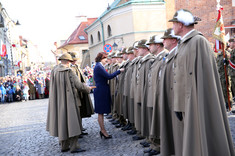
<point>206,10</point>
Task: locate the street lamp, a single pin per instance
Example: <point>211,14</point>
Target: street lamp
<point>115,46</point>
<point>118,40</point>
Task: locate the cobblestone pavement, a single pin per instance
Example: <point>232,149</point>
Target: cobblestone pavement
<point>22,132</point>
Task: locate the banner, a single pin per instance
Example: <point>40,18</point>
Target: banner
<point>4,50</point>
<point>219,32</point>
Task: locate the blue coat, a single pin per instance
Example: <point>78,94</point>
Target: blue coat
<point>102,95</point>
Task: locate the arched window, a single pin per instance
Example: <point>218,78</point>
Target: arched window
<point>109,31</point>
<point>91,39</point>
<point>98,36</point>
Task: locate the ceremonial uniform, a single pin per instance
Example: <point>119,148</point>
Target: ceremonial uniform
<point>133,88</point>
<point>113,83</point>
<point>63,109</point>
<point>32,88</point>
<point>141,80</point>
<point>220,65</point>
<point>198,95</point>
<point>170,131</point>
<point>128,82</point>
<point>126,88</point>
<point>86,107</point>
<point>151,96</point>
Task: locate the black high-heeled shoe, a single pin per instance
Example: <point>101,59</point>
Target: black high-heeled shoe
<point>105,137</point>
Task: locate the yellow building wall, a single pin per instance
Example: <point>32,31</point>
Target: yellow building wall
<point>78,48</point>
<point>128,24</point>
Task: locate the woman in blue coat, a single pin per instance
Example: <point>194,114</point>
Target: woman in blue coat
<point>102,95</point>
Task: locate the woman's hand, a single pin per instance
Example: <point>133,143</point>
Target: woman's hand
<point>122,69</point>
<point>92,87</point>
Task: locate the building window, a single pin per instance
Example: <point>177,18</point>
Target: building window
<point>98,36</point>
<point>109,31</point>
<point>233,3</point>
<point>81,37</point>
<point>91,39</point>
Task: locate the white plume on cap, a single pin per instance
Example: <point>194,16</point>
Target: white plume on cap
<point>158,39</point>
<point>135,45</point>
<point>126,50</point>
<point>185,17</point>
<point>172,34</point>
<point>147,46</point>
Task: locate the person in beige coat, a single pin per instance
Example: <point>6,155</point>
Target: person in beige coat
<point>141,80</point>
<point>126,90</point>
<point>198,97</point>
<point>120,87</point>
<point>116,105</point>
<point>151,93</point>
<point>170,132</point>
<point>32,88</point>
<point>86,107</point>
<point>133,87</point>
<point>63,109</point>
<point>114,68</point>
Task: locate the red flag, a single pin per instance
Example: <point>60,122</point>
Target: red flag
<point>4,50</point>
<point>18,64</point>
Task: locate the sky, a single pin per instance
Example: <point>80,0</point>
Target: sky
<point>46,21</point>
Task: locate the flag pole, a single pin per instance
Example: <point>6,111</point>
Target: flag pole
<point>220,37</point>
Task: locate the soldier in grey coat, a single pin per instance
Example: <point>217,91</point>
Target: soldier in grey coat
<point>63,109</point>
<point>170,131</point>
<point>151,93</point>
<point>198,97</point>
<point>141,80</point>
<point>126,90</point>
<point>120,87</point>
<point>133,88</point>
<point>86,107</point>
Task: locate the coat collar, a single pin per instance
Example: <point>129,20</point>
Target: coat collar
<point>146,58</point>
<point>138,59</point>
<point>134,60</point>
<point>190,35</point>
<point>126,63</point>
<point>186,38</point>
<point>62,67</point>
<point>171,55</point>
<point>160,56</point>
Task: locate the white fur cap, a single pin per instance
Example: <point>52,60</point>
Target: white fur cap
<point>185,17</point>
<point>158,39</point>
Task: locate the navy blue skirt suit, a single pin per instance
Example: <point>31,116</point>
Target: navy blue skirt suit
<point>102,95</point>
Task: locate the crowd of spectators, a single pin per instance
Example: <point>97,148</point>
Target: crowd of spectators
<point>31,85</point>
<point>19,87</point>
<point>88,73</point>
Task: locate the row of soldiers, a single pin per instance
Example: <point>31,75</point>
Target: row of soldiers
<point>170,93</point>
